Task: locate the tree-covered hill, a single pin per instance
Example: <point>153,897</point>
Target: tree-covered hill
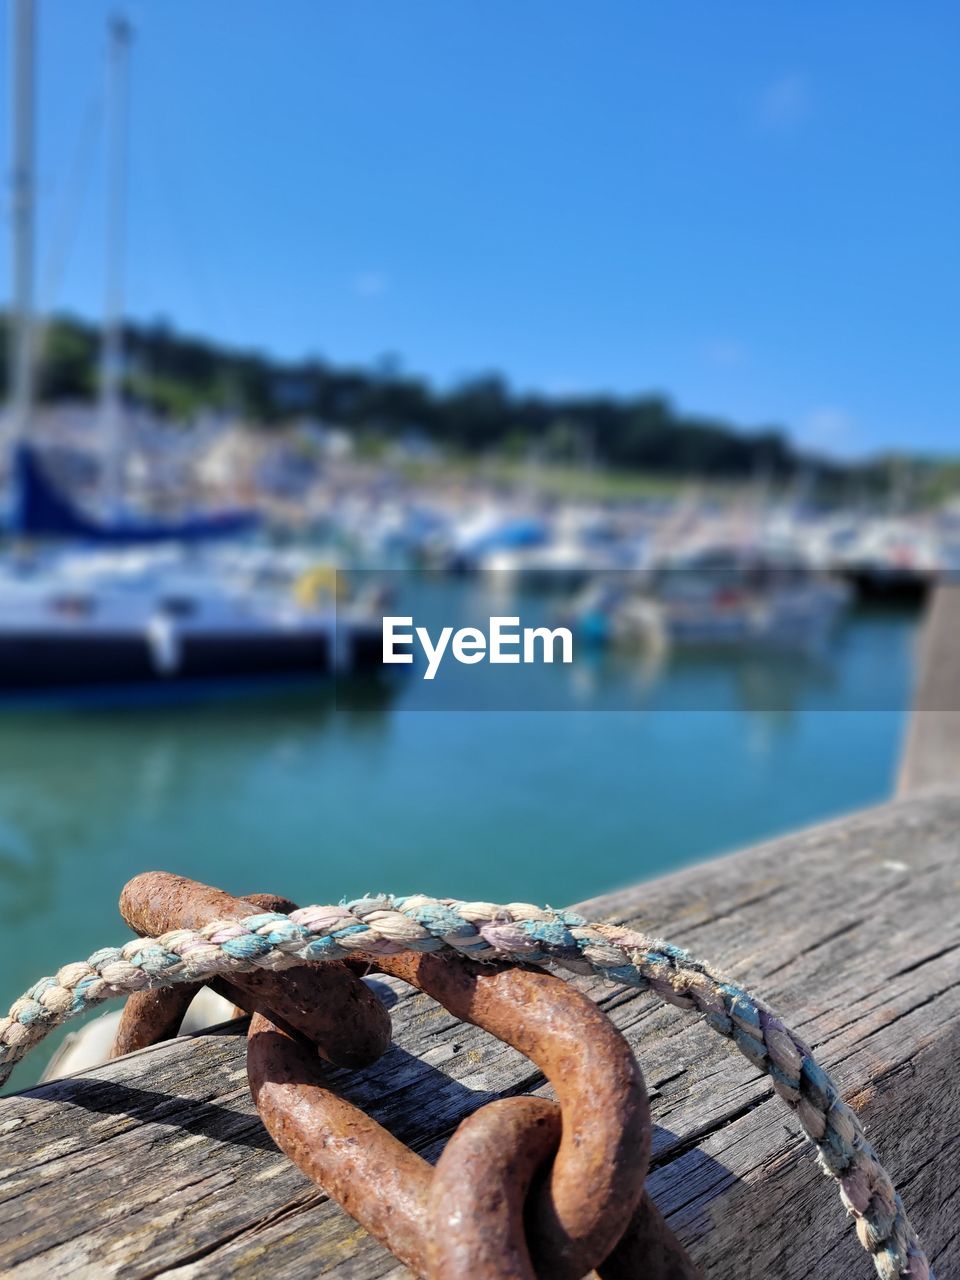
<point>179,375</point>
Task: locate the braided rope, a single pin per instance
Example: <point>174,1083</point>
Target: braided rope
<point>386,925</point>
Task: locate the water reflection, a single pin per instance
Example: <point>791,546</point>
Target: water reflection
<point>640,766</point>
<point>76,784</point>
<point>860,668</point>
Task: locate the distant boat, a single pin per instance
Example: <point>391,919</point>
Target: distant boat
<point>578,545</point>
<point>894,560</point>
<point>490,531</point>
<point>718,598</point>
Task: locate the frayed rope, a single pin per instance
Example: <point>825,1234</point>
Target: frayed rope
<point>387,925</point>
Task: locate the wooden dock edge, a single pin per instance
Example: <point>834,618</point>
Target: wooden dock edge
<point>931,756</point>
<point>156,1165</point>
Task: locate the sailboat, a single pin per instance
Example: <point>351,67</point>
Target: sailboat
<point>40,510</point>
<point>93,602</point>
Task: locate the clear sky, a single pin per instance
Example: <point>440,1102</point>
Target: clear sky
<point>752,207</point>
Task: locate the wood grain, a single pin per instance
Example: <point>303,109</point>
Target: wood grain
<point>157,1166</point>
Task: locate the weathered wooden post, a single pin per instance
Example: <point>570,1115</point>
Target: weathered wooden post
<point>931,757</point>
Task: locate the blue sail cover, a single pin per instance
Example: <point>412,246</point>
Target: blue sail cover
<point>41,511</point>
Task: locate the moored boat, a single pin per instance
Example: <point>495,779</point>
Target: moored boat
<point>81,622</point>
<point>717,597</point>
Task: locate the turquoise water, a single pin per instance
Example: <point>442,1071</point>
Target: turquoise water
<point>297,792</point>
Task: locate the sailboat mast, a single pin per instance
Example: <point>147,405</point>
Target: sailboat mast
<point>21,365</point>
<point>111,369</point>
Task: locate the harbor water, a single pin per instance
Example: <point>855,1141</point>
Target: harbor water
<point>317,795</point>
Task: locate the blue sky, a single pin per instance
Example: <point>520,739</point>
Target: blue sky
<point>752,207</point>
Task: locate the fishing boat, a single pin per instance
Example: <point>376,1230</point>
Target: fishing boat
<point>718,597</point>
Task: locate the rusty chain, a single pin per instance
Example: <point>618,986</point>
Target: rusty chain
<point>525,1187</point>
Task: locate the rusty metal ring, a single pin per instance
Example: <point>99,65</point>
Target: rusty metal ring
<point>585,1202</point>
<point>479,1190</point>
<point>596,1180</point>
<point>477,1202</point>
<point>325,1003</point>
